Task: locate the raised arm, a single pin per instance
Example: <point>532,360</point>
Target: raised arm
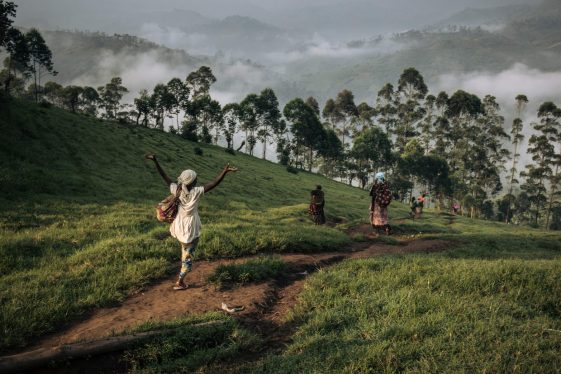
<point>159,168</point>
<point>220,177</point>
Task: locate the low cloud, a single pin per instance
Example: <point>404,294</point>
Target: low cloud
<point>173,37</point>
<point>138,71</point>
<point>318,47</point>
<point>537,85</point>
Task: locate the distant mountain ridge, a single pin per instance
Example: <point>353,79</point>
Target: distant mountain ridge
<point>75,53</point>
<point>485,16</point>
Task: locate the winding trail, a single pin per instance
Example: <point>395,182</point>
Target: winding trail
<point>266,304</point>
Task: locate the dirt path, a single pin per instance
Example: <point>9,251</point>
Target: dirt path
<point>263,302</point>
<point>266,304</point>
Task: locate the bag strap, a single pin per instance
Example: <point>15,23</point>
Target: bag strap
<point>178,190</point>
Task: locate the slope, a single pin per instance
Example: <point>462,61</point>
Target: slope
<point>77,220</point>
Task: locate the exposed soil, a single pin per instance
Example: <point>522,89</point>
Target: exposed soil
<point>265,304</point>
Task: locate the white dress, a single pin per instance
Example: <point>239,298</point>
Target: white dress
<point>186,226</point>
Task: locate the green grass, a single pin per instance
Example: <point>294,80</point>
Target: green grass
<point>77,223</point>
<point>190,346</point>
<point>77,232</point>
<point>483,305</point>
<point>254,270</point>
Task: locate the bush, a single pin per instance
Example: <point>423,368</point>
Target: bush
<point>291,169</point>
<point>230,151</point>
<point>45,104</point>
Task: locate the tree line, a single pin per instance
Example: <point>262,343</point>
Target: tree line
<point>453,147</point>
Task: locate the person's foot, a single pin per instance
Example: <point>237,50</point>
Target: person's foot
<point>180,285</point>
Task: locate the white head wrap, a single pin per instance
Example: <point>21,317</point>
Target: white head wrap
<point>187,177</point>
<point>380,177</point>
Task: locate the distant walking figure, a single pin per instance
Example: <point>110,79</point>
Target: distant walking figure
<point>421,204</point>
<point>414,206</point>
<point>316,206</point>
<point>186,227</point>
<point>381,198</point>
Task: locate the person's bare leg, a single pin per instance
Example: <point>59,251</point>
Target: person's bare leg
<point>185,267</point>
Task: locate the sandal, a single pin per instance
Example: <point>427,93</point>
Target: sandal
<point>179,286</point>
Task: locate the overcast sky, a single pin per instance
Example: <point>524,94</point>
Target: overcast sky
<point>100,14</point>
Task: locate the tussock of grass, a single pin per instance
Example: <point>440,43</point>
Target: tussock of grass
<point>189,347</point>
<point>484,305</point>
<point>427,314</point>
<point>254,270</point>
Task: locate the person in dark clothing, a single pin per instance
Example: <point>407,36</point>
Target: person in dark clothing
<point>316,206</point>
<point>414,206</point>
<point>381,198</point>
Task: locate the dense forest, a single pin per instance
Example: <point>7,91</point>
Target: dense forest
<point>453,146</point>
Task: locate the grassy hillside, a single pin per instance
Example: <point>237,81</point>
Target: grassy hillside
<point>77,226</point>
<point>490,304</point>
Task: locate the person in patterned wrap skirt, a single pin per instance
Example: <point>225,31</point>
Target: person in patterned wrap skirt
<point>381,198</point>
<point>316,206</point>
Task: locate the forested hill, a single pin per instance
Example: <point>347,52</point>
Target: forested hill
<point>78,54</point>
<point>531,38</point>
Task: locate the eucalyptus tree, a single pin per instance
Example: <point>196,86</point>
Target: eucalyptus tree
<point>199,82</point>
<point>463,109</point>
<point>268,116</point>
<point>331,150</point>
<point>441,129</point>
<point>346,106</point>
<point>18,60</point>
<point>232,114</point>
<point>366,115</point>
<point>52,91</point>
<point>71,97</point>
<point>249,124</point>
<point>41,58</point>
<point>541,147</point>
<point>331,114</point>
<point>7,15</point>
<point>411,92</point>
<point>386,108</point>
<point>206,113</point>
<point>306,128</point>
<point>517,138</point>
<point>549,114</point>
<point>162,101</point>
<point>484,159</point>
<point>426,126</point>
<point>143,104</point>
<point>281,136</point>
<point>180,92</point>
<point>313,103</point>
<point>111,95</point>
<point>372,150</point>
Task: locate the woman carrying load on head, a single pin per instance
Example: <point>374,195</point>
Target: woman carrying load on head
<point>186,227</point>
<point>381,198</point>
<point>316,206</point>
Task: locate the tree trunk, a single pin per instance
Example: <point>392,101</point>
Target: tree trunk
<point>35,80</point>
<point>551,198</point>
